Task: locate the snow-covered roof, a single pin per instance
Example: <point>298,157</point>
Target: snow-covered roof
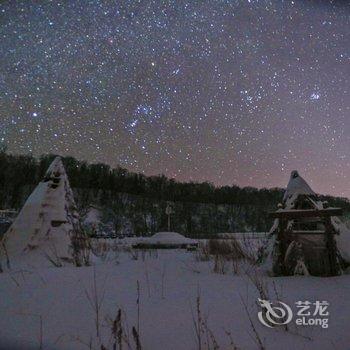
<point>297,185</point>
<point>46,222</point>
<point>170,238</point>
<point>56,167</point>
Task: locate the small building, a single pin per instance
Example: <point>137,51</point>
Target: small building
<point>305,234</point>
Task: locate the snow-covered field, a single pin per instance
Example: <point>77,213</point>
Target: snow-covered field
<point>160,293</point>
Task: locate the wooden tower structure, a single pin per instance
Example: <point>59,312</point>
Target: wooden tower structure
<point>304,233</point>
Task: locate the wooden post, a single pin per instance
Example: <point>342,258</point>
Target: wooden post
<point>281,247</point>
<point>169,210</point>
<point>331,247</point>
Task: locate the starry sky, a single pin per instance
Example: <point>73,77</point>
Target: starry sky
<point>231,92</point>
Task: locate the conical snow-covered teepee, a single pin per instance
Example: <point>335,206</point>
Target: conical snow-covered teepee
<point>297,186</point>
<point>306,236</point>
<point>46,229</point>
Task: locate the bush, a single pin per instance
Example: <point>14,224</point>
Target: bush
<point>229,248</point>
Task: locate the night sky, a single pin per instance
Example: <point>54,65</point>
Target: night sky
<point>231,92</point>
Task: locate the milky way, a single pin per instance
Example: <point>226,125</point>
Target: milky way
<point>231,92</point>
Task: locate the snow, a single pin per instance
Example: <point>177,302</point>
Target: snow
<point>169,285</point>
<point>45,223</point>
<point>168,238</point>
<point>42,306</point>
<point>296,186</point>
<point>93,216</point>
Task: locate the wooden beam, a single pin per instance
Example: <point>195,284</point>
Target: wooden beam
<point>308,213</point>
<point>305,232</point>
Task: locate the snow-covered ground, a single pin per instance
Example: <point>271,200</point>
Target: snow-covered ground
<point>52,307</point>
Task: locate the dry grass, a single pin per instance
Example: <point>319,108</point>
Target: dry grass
<point>227,254</point>
<point>95,299</point>
<point>4,249</point>
<point>205,337</point>
<point>53,257</point>
<point>229,248</point>
<point>81,245</point>
<point>203,252</point>
<point>256,337</point>
<point>117,336</point>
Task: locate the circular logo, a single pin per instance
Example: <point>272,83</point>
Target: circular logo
<point>274,315</point>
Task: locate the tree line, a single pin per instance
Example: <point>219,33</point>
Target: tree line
<point>19,174</point>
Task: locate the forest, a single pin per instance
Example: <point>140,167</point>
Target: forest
<point>136,203</point>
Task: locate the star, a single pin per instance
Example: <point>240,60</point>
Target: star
<point>229,92</point>
<point>315,96</point>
